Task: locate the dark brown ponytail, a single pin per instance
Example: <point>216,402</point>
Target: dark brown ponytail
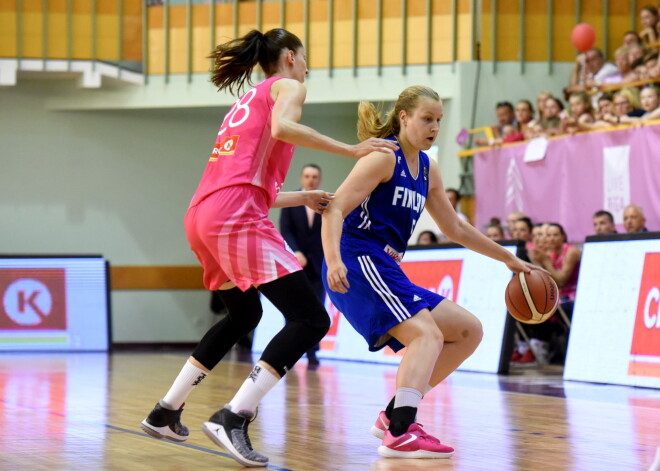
<point>233,61</point>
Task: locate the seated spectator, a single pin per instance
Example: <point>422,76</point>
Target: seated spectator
<point>524,116</point>
<point>427,238</point>
<point>648,17</point>
<point>494,232</point>
<point>510,133</point>
<point>604,222</point>
<point>605,106</point>
<point>639,68</point>
<point>626,73</point>
<point>540,108</point>
<point>650,103</point>
<point>634,219</point>
<point>589,71</point>
<point>636,51</point>
<point>455,199</point>
<point>563,264</point>
<point>511,220</point>
<point>505,116</point>
<point>625,103</point>
<point>522,230</point>
<point>538,237</point>
<point>630,38</point>
<point>580,113</point>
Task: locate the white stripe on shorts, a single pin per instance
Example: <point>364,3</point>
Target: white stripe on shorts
<point>390,299</point>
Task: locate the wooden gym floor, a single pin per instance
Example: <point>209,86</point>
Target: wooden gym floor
<point>66,412</point>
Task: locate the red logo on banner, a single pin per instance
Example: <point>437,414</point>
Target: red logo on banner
<point>32,299</point>
<point>646,336</point>
<point>439,276</point>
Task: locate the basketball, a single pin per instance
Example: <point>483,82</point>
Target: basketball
<point>583,37</point>
<point>532,297</point>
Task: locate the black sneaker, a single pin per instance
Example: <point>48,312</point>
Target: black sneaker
<point>230,431</point>
<point>165,423</point>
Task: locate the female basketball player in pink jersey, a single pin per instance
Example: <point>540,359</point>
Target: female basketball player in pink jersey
<point>241,251</point>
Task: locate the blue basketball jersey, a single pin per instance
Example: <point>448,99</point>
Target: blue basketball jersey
<point>388,215</point>
<point>374,239</point>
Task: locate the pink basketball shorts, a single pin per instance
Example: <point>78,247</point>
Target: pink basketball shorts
<point>234,240</point>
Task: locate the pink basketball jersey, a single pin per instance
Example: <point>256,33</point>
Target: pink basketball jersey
<point>245,151</point>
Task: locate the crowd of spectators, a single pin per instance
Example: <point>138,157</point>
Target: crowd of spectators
<point>599,93</point>
<point>547,245</point>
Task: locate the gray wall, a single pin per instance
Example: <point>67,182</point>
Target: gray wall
<point>111,171</point>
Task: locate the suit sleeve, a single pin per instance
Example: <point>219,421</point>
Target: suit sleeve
<point>287,228</point>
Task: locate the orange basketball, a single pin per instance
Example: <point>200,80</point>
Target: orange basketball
<point>532,297</point>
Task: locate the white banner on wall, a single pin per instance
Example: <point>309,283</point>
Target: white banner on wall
<point>615,332</point>
<point>472,280</point>
<point>616,180</point>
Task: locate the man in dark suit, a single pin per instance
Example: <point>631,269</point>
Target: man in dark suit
<point>301,228</point>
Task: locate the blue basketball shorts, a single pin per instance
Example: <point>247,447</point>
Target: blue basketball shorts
<point>380,295</point>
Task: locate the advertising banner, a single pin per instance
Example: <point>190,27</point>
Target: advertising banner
<point>578,176</point>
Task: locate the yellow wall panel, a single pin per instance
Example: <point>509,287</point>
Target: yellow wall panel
<point>318,44</point>
<point>8,6</point>
<point>8,32</point>
<point>81,48</point>
<point>464,47</point>
<point>201,49</point>
<point>441,50</point>
<point>57,36</point>
<point>486,35</point>
<point>417,46</point>
<point>178,57</point>
<point>536,37</point>
<point>392,41</point>
<point>342,55</point>
<point>107,46</point>
<point>32,34</point>
<point>156,51</point>
<point>368,48</point>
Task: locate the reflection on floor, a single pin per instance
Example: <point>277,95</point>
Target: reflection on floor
<point>82,412</point>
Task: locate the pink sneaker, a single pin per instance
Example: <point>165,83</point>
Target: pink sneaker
<point>415,443</point>
<point>381,425</point>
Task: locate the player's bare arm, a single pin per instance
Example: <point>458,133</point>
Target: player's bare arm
<point>364,178</point>
<point>289,96</point>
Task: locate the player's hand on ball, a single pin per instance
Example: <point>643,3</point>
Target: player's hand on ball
<point>337,280</point>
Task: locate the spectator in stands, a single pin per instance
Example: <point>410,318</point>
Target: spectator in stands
<point>604,222</point>
<point>494,232</point>
<point>427,238</point>
<point>455,199</point>
<point>625,103</point>
<point>648,17</point>
<point>634,219</point>
<point>636,51</point>
<point>639,68</point>
<point>630,38</point>
<point>580,112</point>
<point>589,71</point>
<point>538,237</point>
<point>563,263</point>
<point>605,106</point>
<point>650,103</point>
<point>522,230</point>
<point>626,73</point>
<point>511,220</point>
<point>505,116</point>
<point>524,116</point>
<point>540,108</point>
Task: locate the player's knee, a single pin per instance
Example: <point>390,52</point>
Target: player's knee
<point>248,319</point>
<point>318,321</point>
<point>472,331</point>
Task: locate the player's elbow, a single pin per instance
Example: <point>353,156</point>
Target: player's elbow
<point>281,131</point>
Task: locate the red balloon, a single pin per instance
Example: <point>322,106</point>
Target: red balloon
<point>583,37</point>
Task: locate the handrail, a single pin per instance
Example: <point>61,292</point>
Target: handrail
<point>470,152</point>
<point>609,87</point>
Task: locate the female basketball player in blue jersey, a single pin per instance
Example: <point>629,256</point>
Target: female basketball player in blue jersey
<point>365,233</point>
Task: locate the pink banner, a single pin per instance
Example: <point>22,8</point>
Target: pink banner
<point>579,175</point>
